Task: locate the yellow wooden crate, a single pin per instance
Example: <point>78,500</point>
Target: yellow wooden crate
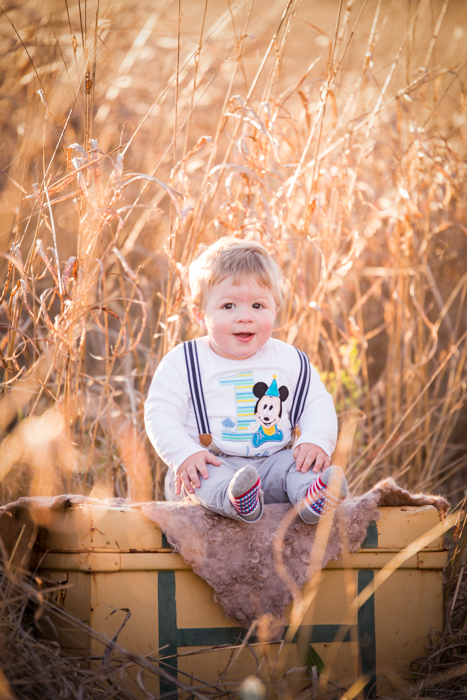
<point>114,560</point>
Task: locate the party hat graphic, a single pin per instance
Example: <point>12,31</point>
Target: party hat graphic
<point>273,390</point>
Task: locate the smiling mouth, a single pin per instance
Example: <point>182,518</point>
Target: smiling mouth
<point>244,336</point>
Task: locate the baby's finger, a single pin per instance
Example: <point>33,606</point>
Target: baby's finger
<point>203,470</point>
<point>187,483</point>
<point>192,471</point>
<point>299,458</point>
<point>178,484</point>
<point>212,459</point>
<point>319,462</point>
<point>327,462</point>
<point>308,461</point>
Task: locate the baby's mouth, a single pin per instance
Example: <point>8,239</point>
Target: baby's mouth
<point>243,336</point>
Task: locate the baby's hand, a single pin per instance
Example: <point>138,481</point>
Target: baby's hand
<point>307,453</point>
<point>187,473</point>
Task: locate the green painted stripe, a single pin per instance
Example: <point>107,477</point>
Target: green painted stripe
<point>209,636</point>
<point>371,539</point>
<point>326,634</point>
<point>214,636</point>
<point>367,634</point>
<point>165,542</point>
<point>167,609</point>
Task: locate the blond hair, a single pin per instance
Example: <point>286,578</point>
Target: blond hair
<point>236,258</point>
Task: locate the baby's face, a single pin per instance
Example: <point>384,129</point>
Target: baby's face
<point>239,318</point>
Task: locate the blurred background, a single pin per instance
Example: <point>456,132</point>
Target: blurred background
<point>131,134</point>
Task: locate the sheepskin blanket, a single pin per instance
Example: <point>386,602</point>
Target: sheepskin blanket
<point>254,568</point>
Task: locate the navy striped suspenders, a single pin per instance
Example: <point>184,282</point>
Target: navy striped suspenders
<point>301,392</point>
<point>197,394</point>
<point>196,391</point>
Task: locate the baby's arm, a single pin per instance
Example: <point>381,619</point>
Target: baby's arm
<point>318,428</point>
<point>187,473</point>
<point>166,411</point>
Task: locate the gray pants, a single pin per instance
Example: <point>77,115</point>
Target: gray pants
<point>280,483</point>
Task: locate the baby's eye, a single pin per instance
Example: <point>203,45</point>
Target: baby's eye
<point>257,305</point>
<point>228,306</point>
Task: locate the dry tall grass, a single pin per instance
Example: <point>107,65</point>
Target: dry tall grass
<point>335,134</point>
<point>351,170</point>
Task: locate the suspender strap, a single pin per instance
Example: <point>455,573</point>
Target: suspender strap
<point>301,392</point>
<point>196,391</point>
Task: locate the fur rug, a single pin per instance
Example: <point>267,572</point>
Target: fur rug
<point>254,569</point>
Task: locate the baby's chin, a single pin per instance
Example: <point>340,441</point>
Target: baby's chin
<point>239,351</point>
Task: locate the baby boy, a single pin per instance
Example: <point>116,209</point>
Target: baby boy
<point>222,409</point>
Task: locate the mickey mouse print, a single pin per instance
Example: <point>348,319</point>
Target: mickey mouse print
<point>268,412</point>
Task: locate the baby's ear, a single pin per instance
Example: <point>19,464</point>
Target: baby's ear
<point>199,315</point>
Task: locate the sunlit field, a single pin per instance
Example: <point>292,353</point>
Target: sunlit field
<point>133,133</point>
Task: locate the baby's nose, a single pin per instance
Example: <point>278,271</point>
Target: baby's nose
<point>244,315</point>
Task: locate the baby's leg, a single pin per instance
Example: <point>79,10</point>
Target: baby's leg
<point>316,494</point>
<point>214,493</point>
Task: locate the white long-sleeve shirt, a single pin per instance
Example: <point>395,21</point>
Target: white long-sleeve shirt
<point>248,403</point>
